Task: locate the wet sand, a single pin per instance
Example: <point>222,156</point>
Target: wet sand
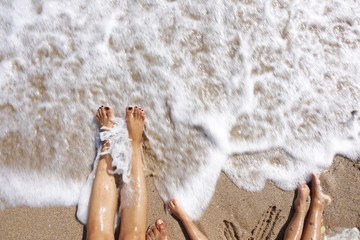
<point>232,213</point>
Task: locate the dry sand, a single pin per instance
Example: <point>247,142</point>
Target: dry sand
<point>232,213</point>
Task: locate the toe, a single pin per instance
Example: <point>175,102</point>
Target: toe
<point>171,204</point>
<point>327,200</point>
<point>129,110</point>
<point>102,111</point>
<point>142,114</point>
<point>315,178</point>
<point>160,225</point>
<point>315,183</point>
<point>136,111</point>
<point>304,188</point>
<point>97,115</point>
<point>152,232</point>
<point>109,111</point>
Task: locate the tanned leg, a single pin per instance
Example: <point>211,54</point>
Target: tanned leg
<point>319,202</point>
<point>194,233</point>
<point>103,200</point>
<point>158,232</point>
<point>133,216</point>
<point>295,227</point>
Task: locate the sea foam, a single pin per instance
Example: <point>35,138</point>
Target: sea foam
<point>263,90</point>
<point>344,234</point>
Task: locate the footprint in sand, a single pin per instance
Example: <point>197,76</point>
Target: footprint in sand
<point>231,232</point>
<point>264,229</point>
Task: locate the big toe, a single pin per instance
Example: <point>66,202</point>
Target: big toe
<point>160,225</point>
<point>129,110</point>
<point>109,111</point>
<point>303,190</point>
<point>315,184</point>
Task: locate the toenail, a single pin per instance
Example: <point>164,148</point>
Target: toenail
<point>135,106</point>
<point>130,108</point>
<point>107,108</point>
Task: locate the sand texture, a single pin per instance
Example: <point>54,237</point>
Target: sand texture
<point>232,213</point>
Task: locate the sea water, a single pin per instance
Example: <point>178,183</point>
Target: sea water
<point>263,90</point>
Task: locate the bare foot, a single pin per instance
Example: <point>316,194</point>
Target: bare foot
<point>303,192</point>
<point>158,232</point>
<point>175,208</point>
<point>135,119</point>
<point>319,199</point>
<point>191,229</point>
<point>103,116</point>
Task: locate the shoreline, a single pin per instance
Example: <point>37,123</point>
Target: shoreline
<point>233,213</point>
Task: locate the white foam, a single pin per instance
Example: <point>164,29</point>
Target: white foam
<point>193,188</point>
<point>119,148</point>
<point>17,188</point>
<point>344,234</point>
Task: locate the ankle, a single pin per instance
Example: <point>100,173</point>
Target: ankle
<point>318,201</point>
<point>105,145</point>
<point>300,205</point>
<point>317,205</point>
<point>300,212</point>
<point>300,208</point>
<point>184,218</point>
<point>135,144</point>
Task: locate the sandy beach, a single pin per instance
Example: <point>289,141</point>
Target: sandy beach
<point>232,213</point>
